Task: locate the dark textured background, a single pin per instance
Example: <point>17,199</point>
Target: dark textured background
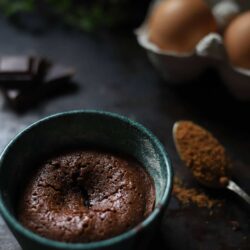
<point>114,74</point>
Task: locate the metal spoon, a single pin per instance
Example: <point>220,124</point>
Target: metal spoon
<point>227,182</point>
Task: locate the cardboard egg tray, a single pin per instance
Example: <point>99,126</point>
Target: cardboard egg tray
<point>209,52</point>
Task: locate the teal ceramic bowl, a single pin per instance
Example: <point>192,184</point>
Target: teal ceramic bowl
<point>80,128</point>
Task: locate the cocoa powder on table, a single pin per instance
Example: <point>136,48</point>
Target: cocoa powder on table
<point>188,196</point>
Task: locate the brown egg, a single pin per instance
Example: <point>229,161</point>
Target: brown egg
<point>178,25</point>
<point>237,41</point>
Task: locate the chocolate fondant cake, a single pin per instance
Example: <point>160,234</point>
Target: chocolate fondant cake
<point>86,196</point>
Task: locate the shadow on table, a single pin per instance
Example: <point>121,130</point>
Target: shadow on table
<point>22,102</point>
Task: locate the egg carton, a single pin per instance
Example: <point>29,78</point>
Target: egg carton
<point>209,52</point>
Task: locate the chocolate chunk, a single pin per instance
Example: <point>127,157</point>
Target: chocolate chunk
<point>21,71</point>
<point>11,65</point>
<point>42,67</point>
<point>59,73</point>
<point>14,70</point>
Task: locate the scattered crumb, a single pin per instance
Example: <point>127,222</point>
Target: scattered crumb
<point>189,196</point>
<point>235,225</point>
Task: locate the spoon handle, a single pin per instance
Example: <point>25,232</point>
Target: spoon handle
<point>235,188</point>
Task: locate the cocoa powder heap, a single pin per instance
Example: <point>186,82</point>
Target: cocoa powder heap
<point>202,153</point>
<point>188,196</point>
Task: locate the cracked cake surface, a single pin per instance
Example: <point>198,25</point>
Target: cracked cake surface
<point>85,196</point>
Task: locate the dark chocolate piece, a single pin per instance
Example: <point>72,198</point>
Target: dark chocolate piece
<point>22,71</point>
<point>59,73</point>
<point>43,65</point>
<point>15,65</point>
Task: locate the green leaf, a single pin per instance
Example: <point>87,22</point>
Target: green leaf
<point>15,6</point>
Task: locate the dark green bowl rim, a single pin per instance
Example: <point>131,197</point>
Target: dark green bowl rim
<point>92,245</point>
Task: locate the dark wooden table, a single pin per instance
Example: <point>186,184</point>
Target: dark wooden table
<point>113,74</point>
